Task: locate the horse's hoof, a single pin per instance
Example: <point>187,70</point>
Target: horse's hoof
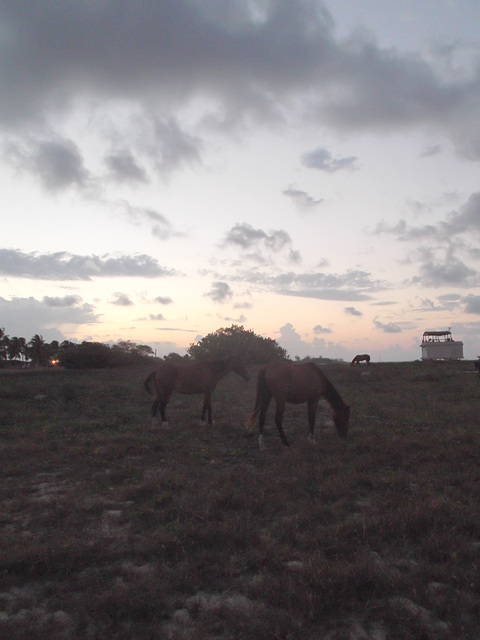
<point>165,425</point>
<point>312,440</point>
<point>261,443</point>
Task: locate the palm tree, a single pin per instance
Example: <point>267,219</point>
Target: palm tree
<point>15,347</point>
<point>4,341</point>
<point>38,351</point>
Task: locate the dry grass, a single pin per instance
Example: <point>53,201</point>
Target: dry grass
<point>110,529</point>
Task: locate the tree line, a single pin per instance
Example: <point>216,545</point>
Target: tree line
<point>39,353</point>
<point>234,340</point>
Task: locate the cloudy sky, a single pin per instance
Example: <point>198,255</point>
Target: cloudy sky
<point>306,169</point>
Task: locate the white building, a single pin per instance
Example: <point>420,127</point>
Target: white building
<point>439,345</point>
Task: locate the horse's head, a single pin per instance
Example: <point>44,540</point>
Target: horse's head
<point>340,420</point>
<point>238,366</point>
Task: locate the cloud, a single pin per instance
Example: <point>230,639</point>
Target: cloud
<point>432,150</point>
<point>220,292</point>
<point>30,316</point>
<point>124,168</point>
<point>156,317</point>
<point>66,266</point>
<point>240,320</point>
<point>351,311</point>
<point>443,248</point>
<point>122,300</point>
<point>352,285</point>
<point>451,272</point>
<point>292,341</point>
<point>160,226</point>
<point>238,67</point>
<point>472,304</point>
<point>318,329</point>
<point>58,163</point>
<point>66,301</point>
<point>258,245</point>
<point>388,327</point>
<point>301,199</point>
<point>163,300</point>
<point>323,160</point>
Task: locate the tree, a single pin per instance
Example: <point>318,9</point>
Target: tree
<point>88,355</point>
<point>235,340</point>
<point>175,357</point>
<point>16,347</point>
<point>38,351</point>
<point>4,343</point>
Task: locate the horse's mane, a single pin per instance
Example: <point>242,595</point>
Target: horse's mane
<point>217,364</point>
<point>331,395</point>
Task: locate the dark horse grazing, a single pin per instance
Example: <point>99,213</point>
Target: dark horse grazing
<point>361,358</point>
<point>196,377</point>
<point>296,384</point>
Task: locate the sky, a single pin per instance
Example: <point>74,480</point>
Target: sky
<point>307,170</point>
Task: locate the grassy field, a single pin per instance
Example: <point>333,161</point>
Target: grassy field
<point>110,529</point>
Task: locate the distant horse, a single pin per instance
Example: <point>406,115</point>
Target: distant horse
<point>196,377</point>
<point>363,357</point>
<point>296,384</point>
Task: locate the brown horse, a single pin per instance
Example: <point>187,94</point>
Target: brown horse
<point>196,377</point>
<point>363,357</point>
<point>296,384</point>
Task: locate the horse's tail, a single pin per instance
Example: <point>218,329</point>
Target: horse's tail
<point>261,391</point>
<point>149,384</point>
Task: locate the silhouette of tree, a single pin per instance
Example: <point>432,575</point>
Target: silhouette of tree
<point>16,347</point>
<point>38,351</point>
<point>235,340</point>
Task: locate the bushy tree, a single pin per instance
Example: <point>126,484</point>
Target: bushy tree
<point>235,340</point>
<point>87,355</point>
<point>175,357</point>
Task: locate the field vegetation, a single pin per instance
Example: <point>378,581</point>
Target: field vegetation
<point>111,529</point>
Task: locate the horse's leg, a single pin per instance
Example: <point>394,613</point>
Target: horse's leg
<point>155,405</point>
<point>161,402</point>
<point>312,412</point>
<point>207,408</point>
<point>261,421</point>
<point>279,419</point>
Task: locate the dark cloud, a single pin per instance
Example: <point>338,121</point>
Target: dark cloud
<point>220,292</point>
<point>323,160</point>
<point>156,317</point>
<point>301,199</point>
<point>242,62</point>
<point>124,168</point>
<point>58,164</point>
<point>66,266</point>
